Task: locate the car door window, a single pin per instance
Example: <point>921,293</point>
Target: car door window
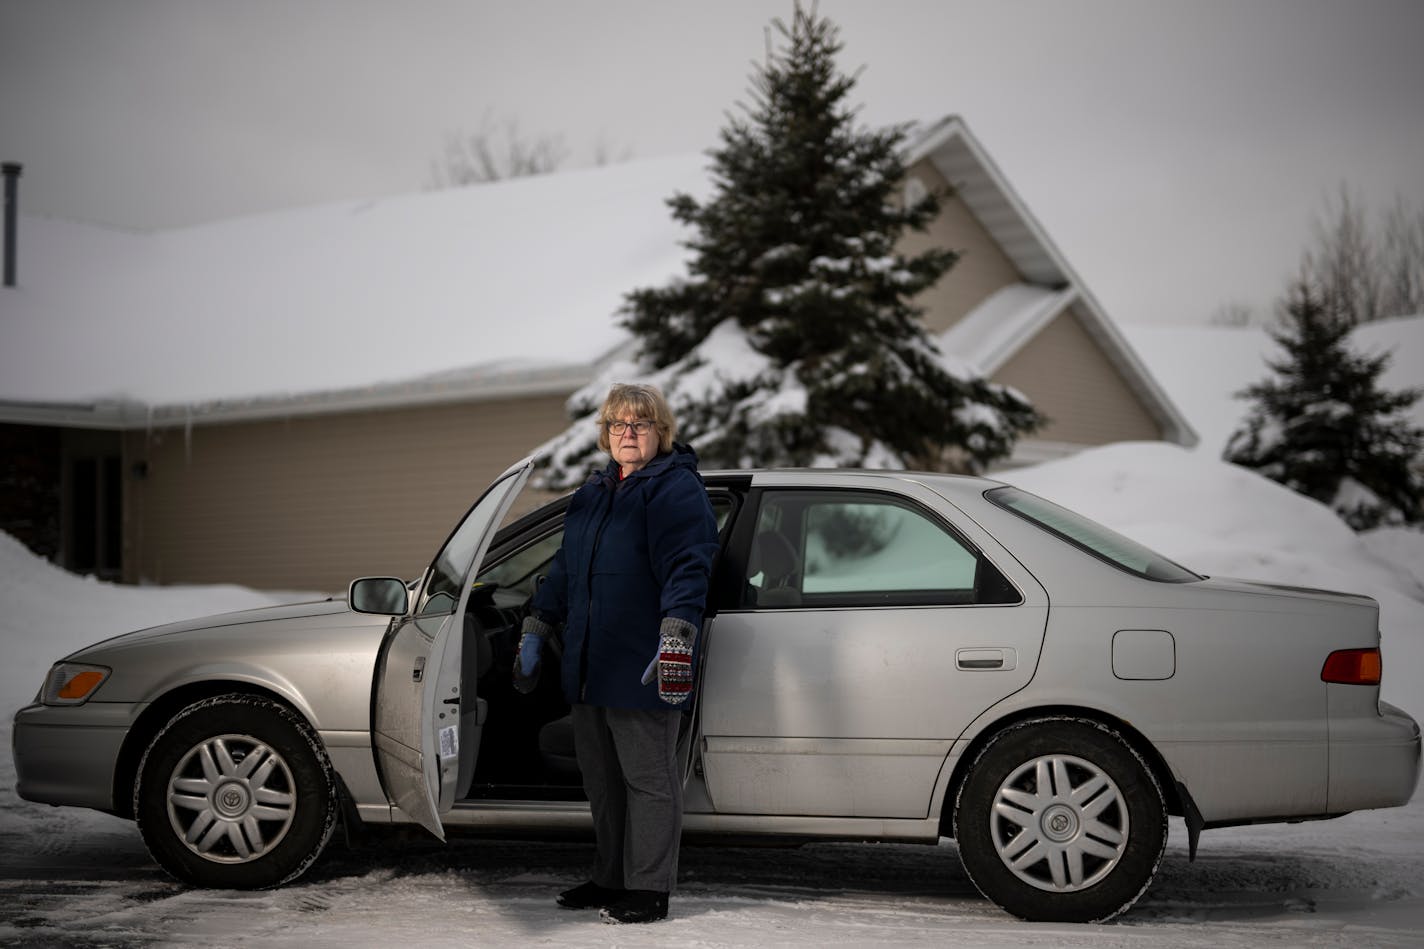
<point>519,572</point>
<point>441,594</point>
<point>862,549</point>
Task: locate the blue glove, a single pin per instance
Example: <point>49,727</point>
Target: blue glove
<point>531,643</point>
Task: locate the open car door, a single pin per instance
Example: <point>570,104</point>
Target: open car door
<point>426,715</point>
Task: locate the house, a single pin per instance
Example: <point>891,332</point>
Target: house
<point>290,400</point>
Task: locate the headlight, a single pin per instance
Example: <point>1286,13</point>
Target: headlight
<point>72,683</point>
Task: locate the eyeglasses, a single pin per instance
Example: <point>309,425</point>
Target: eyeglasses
<point>640,427</point>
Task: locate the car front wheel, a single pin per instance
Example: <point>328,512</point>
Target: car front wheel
<point>1061,820</point>
<point>236,791</point>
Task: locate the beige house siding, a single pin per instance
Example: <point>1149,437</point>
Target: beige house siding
<point>1065,374</point>
<point>982,267</point>
<point>310,503</point>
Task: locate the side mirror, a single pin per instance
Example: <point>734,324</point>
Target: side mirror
<point>383,595</point>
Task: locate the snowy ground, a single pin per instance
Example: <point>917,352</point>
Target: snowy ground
<point>77,878</point>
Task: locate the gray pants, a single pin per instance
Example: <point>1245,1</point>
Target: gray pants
<point>629,763</point>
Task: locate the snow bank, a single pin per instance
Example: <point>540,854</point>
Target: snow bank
<point>46,613</point>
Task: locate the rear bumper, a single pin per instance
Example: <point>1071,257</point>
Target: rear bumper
<point>1373,762</point>
<point>67,756</point>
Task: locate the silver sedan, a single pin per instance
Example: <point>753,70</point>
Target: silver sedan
<point>887,656</point>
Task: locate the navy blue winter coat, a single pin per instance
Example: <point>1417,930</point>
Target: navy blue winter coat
<point>634,551</point>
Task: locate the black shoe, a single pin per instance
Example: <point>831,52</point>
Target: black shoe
<point>639,906</point>
<point>590,896</point>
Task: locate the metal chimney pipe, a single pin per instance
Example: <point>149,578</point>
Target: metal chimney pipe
<point>11,170</point>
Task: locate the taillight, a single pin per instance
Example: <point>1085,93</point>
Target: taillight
<point>1352,667</point>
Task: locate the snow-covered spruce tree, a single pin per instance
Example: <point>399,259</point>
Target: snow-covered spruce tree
<point>1324,428</point>
<point>793,340</point>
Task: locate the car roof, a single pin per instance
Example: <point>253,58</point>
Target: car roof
<point>956,484</point>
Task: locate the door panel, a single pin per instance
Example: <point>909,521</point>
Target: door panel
<point>399,717</point>
<point>426,719</point>
<point>848,712</point>
<point>874,628</point>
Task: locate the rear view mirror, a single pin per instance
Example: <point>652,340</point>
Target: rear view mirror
<point>386,596</point>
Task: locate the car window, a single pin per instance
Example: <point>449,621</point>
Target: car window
<point>1089,535</point>
<point>520,569</point>
<point>450,566</point>
<point>518,572</point>
<point>847,548</point>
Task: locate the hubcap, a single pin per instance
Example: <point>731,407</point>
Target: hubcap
<point>231,799</point>
<point>1059,823</point>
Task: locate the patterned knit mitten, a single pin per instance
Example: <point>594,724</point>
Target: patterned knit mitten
<point>675,659</point>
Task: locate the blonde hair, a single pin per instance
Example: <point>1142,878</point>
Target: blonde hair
<point>643,401</point>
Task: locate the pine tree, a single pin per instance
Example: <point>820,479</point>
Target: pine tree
<point>793,339</point>
<point>1324,428</point>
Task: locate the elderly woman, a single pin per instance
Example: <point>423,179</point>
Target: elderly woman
<point>629,584</point>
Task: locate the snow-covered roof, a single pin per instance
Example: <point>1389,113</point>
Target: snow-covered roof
<point>995,329</point>
<point>505,288</point>
<point>434,295</point>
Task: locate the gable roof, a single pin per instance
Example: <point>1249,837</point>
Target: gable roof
<point>1003,323</point>
<point>498,289</point>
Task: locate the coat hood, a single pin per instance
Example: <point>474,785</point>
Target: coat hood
<point>681,456</point>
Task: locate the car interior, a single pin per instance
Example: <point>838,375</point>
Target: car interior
<point>527,745</point>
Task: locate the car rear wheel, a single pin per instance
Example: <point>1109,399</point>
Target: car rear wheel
<point>236,791</point>
<point>1061,820</point>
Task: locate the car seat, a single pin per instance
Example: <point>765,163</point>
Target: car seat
<point>780,568</point>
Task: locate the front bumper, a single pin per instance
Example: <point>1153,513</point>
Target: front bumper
<point>68,755</point>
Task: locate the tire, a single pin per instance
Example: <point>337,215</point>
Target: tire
<point>1061,820</point>
<point>236,791</point>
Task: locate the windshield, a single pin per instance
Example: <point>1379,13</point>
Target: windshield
<point>1091,536</point>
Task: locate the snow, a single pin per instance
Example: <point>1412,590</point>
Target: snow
<point>991,332</point>
<point>79,878</point>
<point>320,299</point>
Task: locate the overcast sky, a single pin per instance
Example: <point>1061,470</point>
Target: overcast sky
<point>1175,151</point>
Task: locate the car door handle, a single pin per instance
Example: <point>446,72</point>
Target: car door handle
<point>986,659</point>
